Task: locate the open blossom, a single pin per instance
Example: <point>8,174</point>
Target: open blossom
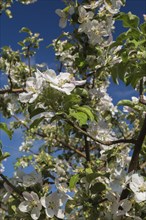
<point>125,205</point>
<point>63,16</point>
<point>138,186</point>
<point>52,204</point>
<point>64,82</point>
<point>84,16</point>
<point>113,6</point>
<point>33,88</point>
<point>31,204</point>
<point>28,180</point>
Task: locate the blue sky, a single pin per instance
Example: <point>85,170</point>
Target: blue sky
<point>40,17</point>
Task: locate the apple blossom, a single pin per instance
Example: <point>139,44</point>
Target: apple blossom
<point>33,88</point>
<point>138,186</point>
<point>64,82</point>
<point>31,204</point>
<point>52,204</point>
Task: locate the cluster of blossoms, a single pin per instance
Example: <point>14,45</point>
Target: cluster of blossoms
<point>63,82</point>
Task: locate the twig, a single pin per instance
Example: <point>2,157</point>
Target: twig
<point>73,149</point>
<point>10,184</point>
<point>19,90</point>
<point>108,143</point>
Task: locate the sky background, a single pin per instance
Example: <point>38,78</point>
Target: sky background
<point>40,17</point>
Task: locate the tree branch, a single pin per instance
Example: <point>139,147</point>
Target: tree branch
<point>10,184</point>
<point>19,90</point>
<point>108,143</point>
<point>134,163</point>
<point>73,149</point>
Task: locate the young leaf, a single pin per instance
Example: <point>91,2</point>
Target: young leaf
<point>36,122</point>
<point>129,20</point>
<point>126,103</point>
<point>86,110</point>
<point>4,127</point>
<point>80,116</point>
<point>74,179</point>
<point>36,112</point>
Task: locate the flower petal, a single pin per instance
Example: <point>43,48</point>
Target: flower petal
<point>49,212</point>
<point>24,206</point>
<point>35,213</point>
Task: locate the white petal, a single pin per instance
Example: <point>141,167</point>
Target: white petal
<point>43,201</point>
<point>25,97</point>
<point>35,213</point>
<point>140,197</point>
<point>24,206</point>
<point>80,83</point>
<point>35,196</point>
<point>27,196</point>
<point>59,213</point>
<point>49,212</point>
<point>62,22</point>
<point>34,96</point>
<point>59,12</point>
<point>64,76</point>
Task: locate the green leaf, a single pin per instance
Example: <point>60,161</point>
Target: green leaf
<point>71,100</point>
<point>87,110</point>
<point>36,112</point>
<point>26,30</point>
<point>80,116</point>
<point>88,171</point>
<point>4,155</point>
<point>97,187</point>
<point>92,176</point>
<point>143,27</point>
<point>129,20</point>
<point>74,179</point>
<point>21,43</point>
<point>4,127</point>
<point>36,122</point>
<point>126,103</point>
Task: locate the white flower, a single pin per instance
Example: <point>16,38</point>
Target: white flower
<point>31,204</point>
<point>63,16</point>
<point>8,193</point>
<point>32,179</point>
<point>138,186</point>
<point>113,6</point>
<point>84,15</point>
<point>52,205</point>
<point>64,82</point>
<point>92,5</point>
<point>28,180</point>
<point>125,204</point>
<point>33,88</point>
